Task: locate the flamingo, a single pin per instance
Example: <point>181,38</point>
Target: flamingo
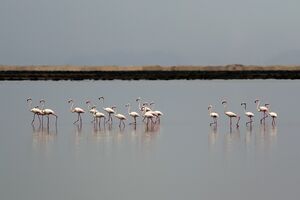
<point>263,109</point>
<point>230,114</point>
<point>99,115</point>
<point>272,114</point>
<point>149,115</point>
<point>142,108</point>
<point>92,109</point>
<point>248,114</point>
<point>76,110</point>
<point>132,114</point>
<point>35,110</point>
<point>214,115</point>
<point>109,110</point>
<point>48,112</point>
<point>157,113</point>
<point>120,117</point>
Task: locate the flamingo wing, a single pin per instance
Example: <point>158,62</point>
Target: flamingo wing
<point>249,114</point>
<point>230,114</point>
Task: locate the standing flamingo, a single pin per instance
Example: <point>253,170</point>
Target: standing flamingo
<point>120,117</point>
<point>214,115</point>
<point>76,110</point>
<point>48,112</point>
<point>272,114</point>
<point>230,114</point>
<point>248,114</point>
<point>35,110</point>
<point>92,109</point>
<point>156,112</point>
<point>263,109</point>
<point>132,114</point>
<point>109,110</point>
<point>144,107</point>
<point>149,115</point>
<point>98,115</point>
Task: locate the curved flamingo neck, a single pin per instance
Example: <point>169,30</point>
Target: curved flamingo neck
<point>209,110</point>
<point>225,107</point>
<point>257,105</point>
<point>129,109</point>
<point>139,104</point>
<point>89,105</point>
<point>245,107</point>
<point>30,104</point>
<point>42,105</point>
<point>71,108</point>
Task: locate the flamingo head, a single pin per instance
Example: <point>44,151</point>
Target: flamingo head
<point>244,103</point>
<point>70,100</point>
<point>88,101</point>
<point>113,107</point>
<point>209,107</point>
<point>29,99</point>
<point>127,105</point>
<point>42,100</point>
<point>151,103</point>
<point>138,99</point>
<point>101,98</point>
<point>224,102</point>
<point>256,100</point>
<point>267,104</point>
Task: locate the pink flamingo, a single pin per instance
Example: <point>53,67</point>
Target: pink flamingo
<point>230,114</point>
<point>76,110</point>
<point>214,115</point>
<point>263,109</point>
<point>248,114</point>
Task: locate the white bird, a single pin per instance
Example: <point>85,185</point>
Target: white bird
<point>120,117</point>
<point>99,115</point>
<point>230,114</point>
<point>132,114</point>
<point>35,110</point>
<point>214,115</point>
<point>157,113</point>
<point>48,112</point>
<point>247,113</point>
<point>144,107</point>
<point>92,109</point>
<point>263,109</point>
<point>149,115</point>
<point>272,114</point>
<point>76,110</point>
<point>109,110</point>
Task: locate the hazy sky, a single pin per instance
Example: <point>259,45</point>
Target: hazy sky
<point>140,32</point>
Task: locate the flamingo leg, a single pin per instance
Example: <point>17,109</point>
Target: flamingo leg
<point>273,121</point>
<point>237,123</point>
<point>48,121</point>
<point>33,118</point>
<point>77,118</point>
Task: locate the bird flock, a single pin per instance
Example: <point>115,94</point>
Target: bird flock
<point>150,116</point>
<point>265,110</point>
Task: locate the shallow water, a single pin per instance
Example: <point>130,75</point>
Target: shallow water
<point>183,157</point>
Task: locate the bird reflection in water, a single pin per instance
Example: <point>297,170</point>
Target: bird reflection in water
<point>231,140</point>
<point>213,137</point>
<point>266,138</point>
<point>262,139</point>
<point>42,136</point>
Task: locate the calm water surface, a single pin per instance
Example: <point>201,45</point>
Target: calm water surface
<point>183,158</point>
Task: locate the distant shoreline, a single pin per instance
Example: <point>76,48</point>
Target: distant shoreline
<point>70,72</point>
